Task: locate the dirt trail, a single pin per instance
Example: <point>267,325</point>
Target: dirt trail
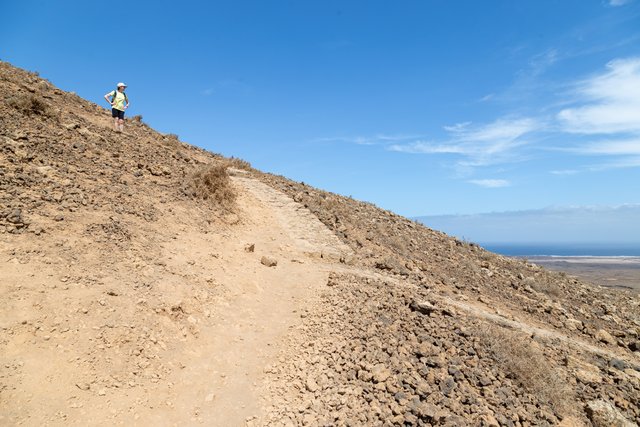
<point>217,385</point>
<point>309,234</point>
<point>204,310</point>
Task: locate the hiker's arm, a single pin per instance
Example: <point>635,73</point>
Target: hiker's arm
<point>127,104</point>
<point>107,98</point>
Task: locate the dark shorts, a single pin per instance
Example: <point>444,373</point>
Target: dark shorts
<point>117,113</point>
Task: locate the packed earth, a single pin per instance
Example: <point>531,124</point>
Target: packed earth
<point>145,281</point>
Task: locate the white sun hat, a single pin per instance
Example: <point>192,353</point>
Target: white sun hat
<point>121,84</point>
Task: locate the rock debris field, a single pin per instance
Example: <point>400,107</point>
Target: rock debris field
<point>146,281</point>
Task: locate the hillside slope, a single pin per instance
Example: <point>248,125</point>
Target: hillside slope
<point>128,299</point>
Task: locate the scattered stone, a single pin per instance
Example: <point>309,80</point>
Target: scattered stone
<point>588,376</point>
<point>250,247</point>
<point>605,337</point>
<point>604,414</point>
<point>618,364</point>
<point>573,324</point>
<point>311,385</point>
<point>424,307</point>
<point>83,386</point>
<point>490,421</point>
<point>380,373</point>
<point>269,262</point>
<point>209,398</point>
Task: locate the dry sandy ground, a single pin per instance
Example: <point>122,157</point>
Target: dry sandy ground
<point>207,318</point>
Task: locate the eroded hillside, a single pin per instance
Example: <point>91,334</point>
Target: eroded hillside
<point>141,285</point>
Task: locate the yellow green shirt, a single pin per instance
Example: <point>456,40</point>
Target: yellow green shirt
<point>119,101</point>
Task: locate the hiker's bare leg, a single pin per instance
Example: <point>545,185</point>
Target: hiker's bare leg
<point>115,124</point>
<point>121,125</point>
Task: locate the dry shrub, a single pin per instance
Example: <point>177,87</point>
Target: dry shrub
<point>237,163</point>
<point>543,284</point>
<point>212,183</point>
<point>29,104</point>
<point>172,141</point>
<point>523,361</point>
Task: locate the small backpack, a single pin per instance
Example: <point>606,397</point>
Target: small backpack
<point>115,93</point>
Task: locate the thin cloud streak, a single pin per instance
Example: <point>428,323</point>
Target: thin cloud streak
<point>380,139</point>
<point>565,172</point>
<point>484,145</point>
<point>615,3</point>
<point>625,163</point>
<point>614,148</point>
<point>490,183</point>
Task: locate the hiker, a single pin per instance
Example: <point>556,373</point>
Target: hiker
<point>119,102</point>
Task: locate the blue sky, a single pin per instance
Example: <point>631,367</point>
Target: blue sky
<point>421,107</point>
<point>586,226</point>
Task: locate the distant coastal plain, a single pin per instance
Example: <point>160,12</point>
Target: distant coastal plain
<point>612,272</point>
<point>609,266</point>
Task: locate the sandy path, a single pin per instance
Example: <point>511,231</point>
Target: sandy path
<point>217,384</point>
<point>208,315</point>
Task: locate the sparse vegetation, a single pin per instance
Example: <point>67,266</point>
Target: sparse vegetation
<point>546,285</point>
<point>237,163</point>
<point>212,183</point>
<point>523,361</point>
<point>29,104</point>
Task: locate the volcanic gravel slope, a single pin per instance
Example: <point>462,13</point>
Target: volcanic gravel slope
<point>127,301</point>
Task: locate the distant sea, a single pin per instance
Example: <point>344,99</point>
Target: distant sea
<point>564,250</point>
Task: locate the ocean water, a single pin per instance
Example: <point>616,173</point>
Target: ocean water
<point>577,249</point>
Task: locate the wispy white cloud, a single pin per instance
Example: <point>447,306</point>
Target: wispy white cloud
<point>619,163</point>
<point>379,139</point>
<point>610,101</point>
<point>482,145</point>
<point>487,97</point>
<point>597,117</point>
<point>618,2</point>
<point>539,63</point>
<point>490,183</point>
<point>628,147</point>
<point>608,111</point>
<point>458,127</point>
<point>565,172</point>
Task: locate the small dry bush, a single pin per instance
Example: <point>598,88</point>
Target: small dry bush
<point>237,163</point>
<point>523,361</point>
<point>29,104</point>
<point>212,183</point>
<point>542,284</point>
